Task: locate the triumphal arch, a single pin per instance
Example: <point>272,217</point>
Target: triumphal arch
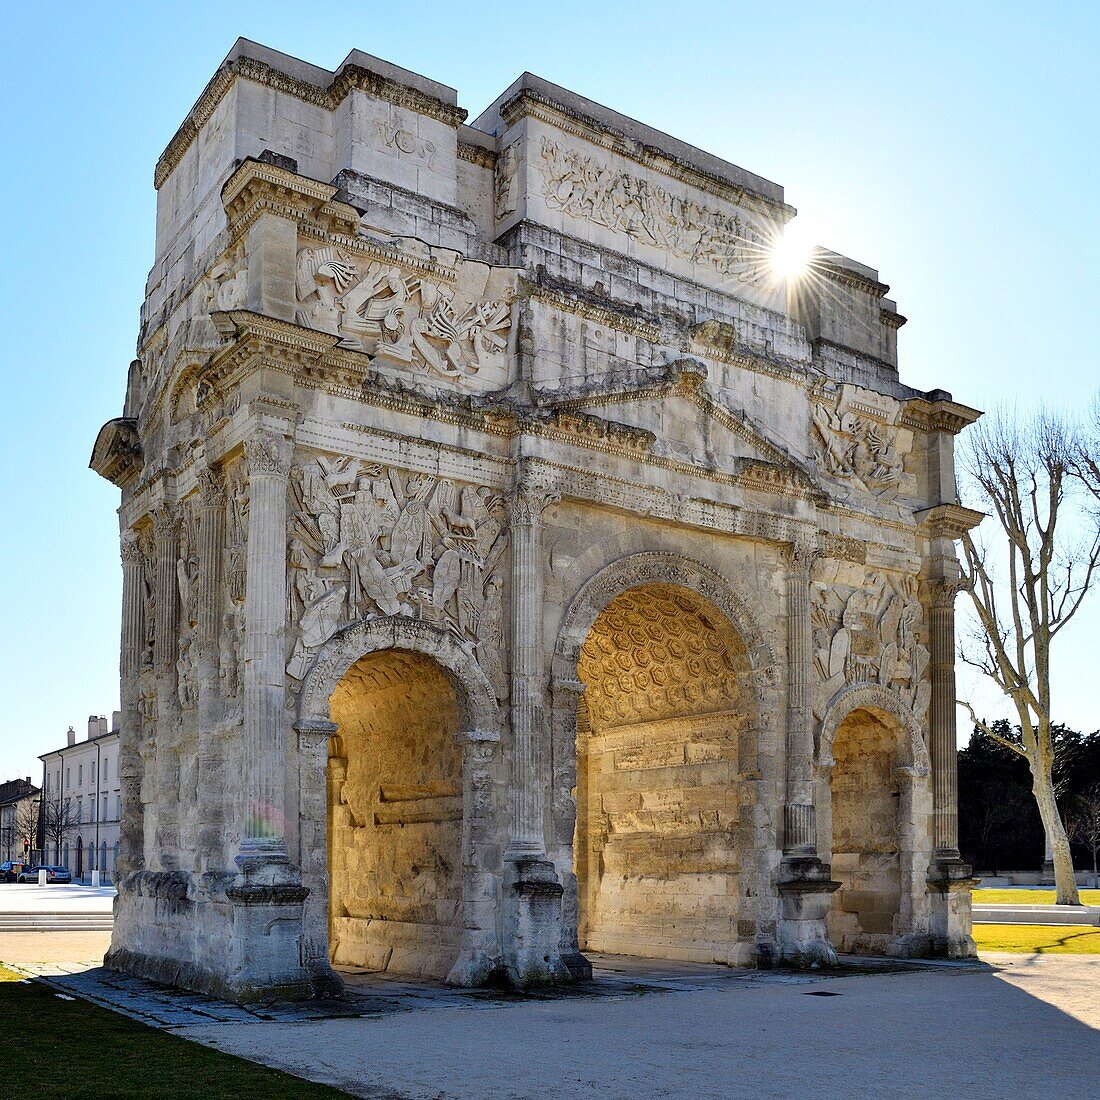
<point>514,566</point>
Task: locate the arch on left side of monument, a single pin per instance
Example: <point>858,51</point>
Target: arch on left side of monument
<point>398,731</point>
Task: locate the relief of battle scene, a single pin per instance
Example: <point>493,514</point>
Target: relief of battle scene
<point>869,630</point>
<point>367,542</point>
<point>428,310</point>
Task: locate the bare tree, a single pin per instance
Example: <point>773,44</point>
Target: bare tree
<point>1083,823</point>
<point>1039,481</point>
<point>58,817</point>
<point>26,825</point>
<point>7,839</point>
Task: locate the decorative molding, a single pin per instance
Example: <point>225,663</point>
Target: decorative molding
<point>267,453</point>
<point>477,154</point>
<point>529,104</point>
<point>587,190</point>
<point>477,700</point>
<point>350,78</point>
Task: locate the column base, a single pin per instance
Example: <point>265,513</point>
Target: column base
<point>532,925</point>
<point>805,890</point>
<point>950,882</point>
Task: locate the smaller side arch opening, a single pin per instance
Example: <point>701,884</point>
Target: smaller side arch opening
<point>395,817</point>
<point>866,831</point>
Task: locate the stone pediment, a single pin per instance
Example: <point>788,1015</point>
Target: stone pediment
<point>689,422</point>
<point>116,455</point>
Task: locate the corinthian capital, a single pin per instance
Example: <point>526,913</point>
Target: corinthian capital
<point>940,592</point>
<point>129,550</point>
<point>800,558</point>
<point>211,487</point>
<point>166,521</point>
<point>267,453</point>
<point>529,499</point>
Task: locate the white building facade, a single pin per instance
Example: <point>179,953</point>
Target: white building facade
<point>83,800</point>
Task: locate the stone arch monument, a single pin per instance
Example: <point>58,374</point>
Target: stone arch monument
<point>507,554</point>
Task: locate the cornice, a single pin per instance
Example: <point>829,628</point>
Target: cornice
<point>598,314</point>
<point>116,455</point>
<point>937,416</point>
<point>531,104</point>
<point>476,154</point>
<point>948,521</point>
<point>891,319</point>
<point>350,78</point>
<point>847,277</point>
<point>257,187</point>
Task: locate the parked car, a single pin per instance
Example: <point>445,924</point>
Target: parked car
<point>10,871</point>
<point>53,874</point>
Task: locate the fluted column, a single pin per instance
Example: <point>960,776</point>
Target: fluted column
<point>263,839</point>
<point>945,768</point>
<point>211,540</point>
<point>166,532</point>
<point>528,670</point>
<point>130,841</point>
<point>211,766</point>
<point>799,826</point>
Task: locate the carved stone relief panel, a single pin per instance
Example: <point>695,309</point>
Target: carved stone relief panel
<point>231,634</point>
<point>367,541</point>
<point>858,443</point>
<point>583,187</point>
<point>504,183</point>
<point>399,140</point>
<point>447,327</point>
<point>870,634</point>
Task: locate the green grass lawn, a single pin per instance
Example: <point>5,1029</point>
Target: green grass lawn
<point>76,1050</point>
<point>1042,939</point>
<point>1028,897</point>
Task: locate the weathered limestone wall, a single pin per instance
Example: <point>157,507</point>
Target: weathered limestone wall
<point>865,849</point>
<point>396,818</point>
<point>414,387</point>
<point>658,785</point>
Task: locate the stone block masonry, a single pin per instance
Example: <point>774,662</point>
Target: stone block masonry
<point>513,564</point>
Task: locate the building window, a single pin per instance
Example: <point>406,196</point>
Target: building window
<point>79,810</point>
<point>69,778</point>
<point>80,775</point>
<point>106,768</point>
<point>118,807</point>
<point>103,856</point>
<point>104,817</point>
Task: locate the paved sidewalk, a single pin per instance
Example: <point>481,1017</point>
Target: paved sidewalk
<point>54,952</point>
<point>667,1030</point>
<point>32,898</point>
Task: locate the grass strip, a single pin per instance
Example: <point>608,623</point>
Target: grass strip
<point>1038,939</point>
<point>77,1050</point>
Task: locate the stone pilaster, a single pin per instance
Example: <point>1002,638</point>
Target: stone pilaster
<point>166,534</point>
<point>805,883</point>
<point>528,839</point>
<point>799,828</point>
<point>211,517</point>
<point>949,878</point>
<point>532,919</point>
<point>131,837</point>
<point>263,833</point>
<point>945,772</point>
<point>211,542</point>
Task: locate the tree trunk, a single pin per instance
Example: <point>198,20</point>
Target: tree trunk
<point>1064,882</point>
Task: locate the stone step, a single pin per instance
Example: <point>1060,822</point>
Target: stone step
<point>1036,914</point>
<point>56,922</point>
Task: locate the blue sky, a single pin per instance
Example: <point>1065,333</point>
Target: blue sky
<point>952,146</point>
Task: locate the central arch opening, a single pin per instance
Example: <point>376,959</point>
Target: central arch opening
<point>866,843</point>
<point>395,817</point>
<point>656,850</point>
